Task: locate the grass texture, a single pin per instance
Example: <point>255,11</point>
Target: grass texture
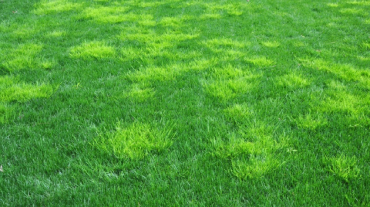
<point>185,103</point>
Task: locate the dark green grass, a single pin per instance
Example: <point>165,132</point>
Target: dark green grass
<point>178,103</point>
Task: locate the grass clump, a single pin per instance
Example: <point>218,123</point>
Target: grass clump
<point>93,49</point>
<point>344,167</point>
<point>55,6</point>
<point>23,57</point>
<point>251,151</point>
<point>13,90</point>
<point>137,141</point>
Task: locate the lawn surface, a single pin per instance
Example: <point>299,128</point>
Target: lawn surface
<point>185,102</point>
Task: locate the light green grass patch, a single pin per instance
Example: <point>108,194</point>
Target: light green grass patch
<point>220,44</point>
<point>344,167</point>
<point>237,112</point>
<point>234,10</point>
<point>148,54</point>
<point>342,101</point>
<point>171,21</point>
<point>260,61</point>
<point>299,44</point>
<point>224,90</point>
<point>147,23</point>
<point>214,7</point>
<point>220,90</point>
<point>95,49</point>
<point>229,82</point>
<point>24,31</point>
<point>311,121</point>
<point>365,83</point>
<point>140,93</point>
<point>230,71</point>
<point>47,64</point>
<point>337,85</point>
<point>202,63</point>
<point>55,6</point>
<point>272,44</point>
<point>228,48</point>
<point>231,55</point>
<point>149,4</point>
<point>360,3</point>
<point>251,152</point>
<point>353,11</point>
<point>113,14</point>
<point>165,40</point>
<point>334,5</point>
<point>241,144</point>
<point>23,57</point>
<point>137,140</point>
<point>291,81</point>
<point>151,73</point>
<point>189,55</point>
<point>366,45</point>
<point>131,53</point>
<point>346,72</point>
<point>210,16</point>
<point>283,14</point>
<point>231,9</point>
<point>13,90</point>
<point>56,33</point>
<point>254,166</point>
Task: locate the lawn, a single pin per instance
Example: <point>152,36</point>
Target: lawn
<point>185,102</point>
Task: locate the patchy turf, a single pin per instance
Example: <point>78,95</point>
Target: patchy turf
<point>185,103</point>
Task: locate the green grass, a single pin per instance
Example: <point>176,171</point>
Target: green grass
<point>185,103</point>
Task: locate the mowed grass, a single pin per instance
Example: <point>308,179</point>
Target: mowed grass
<point>185,103</point>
